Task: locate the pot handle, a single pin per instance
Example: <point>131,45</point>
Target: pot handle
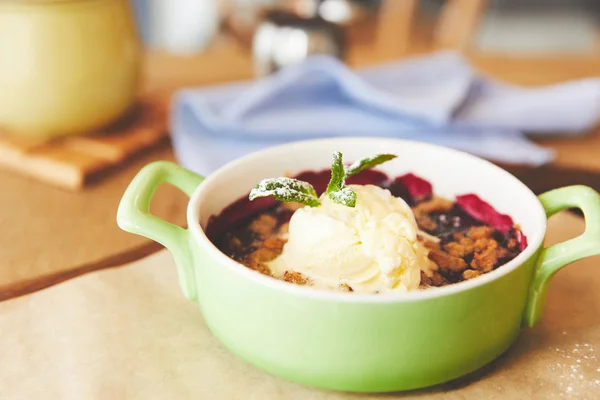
<point>555,257</point>
<point>134,215</point>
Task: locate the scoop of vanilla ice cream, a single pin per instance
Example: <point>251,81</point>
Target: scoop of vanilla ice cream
<point>372,247</point>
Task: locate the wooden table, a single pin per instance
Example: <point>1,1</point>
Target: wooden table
<point>48,235</point>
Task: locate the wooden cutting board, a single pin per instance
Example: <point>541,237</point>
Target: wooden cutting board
<point>74,162</point>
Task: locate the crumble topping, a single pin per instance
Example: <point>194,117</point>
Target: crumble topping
<point>459,246</point>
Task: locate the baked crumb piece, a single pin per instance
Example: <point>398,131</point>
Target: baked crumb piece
<point>485,260</point>
<point>434,279</point>
<point>480,232</point>
<point>470,274</point>
<point>513,244</point>
<point>462,248</point>
<point>431,245</point>
<point>291,206</point>
<point>263,225</point>
<point>425,280</point>
<point>426,223</point>
<point>344,287</point>
<point>264,254</point>
<point>257,259</point>
<point>436,204</point>
<point>284,229</point>
<point>447,262</point>
<point>482,244</point>
<point>235,244</point>
<point>504,253</point>
<point>274,243</point>
<point>259,267</point>
<point>295,277</point>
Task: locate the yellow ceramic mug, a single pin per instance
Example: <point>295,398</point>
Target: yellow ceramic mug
<point>66,66</point>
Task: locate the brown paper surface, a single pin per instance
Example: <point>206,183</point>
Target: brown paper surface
<point>46,231</point>
<point>128,333</point>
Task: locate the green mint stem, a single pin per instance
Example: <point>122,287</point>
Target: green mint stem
<point>337,190</point>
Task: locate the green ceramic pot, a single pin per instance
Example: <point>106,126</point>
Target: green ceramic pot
<point>358,342</point>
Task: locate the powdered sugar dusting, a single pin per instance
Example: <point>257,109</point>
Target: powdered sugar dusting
<point>346,196</point>
<point>289,184</point>
<point>578,371</point>
<point>286,189</point>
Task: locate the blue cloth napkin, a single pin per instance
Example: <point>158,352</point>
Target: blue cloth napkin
<point>438,98</point>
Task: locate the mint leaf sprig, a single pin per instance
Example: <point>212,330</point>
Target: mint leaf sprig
<point>368,163</point>
<point>286,190</point>
<point>293,190</point>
